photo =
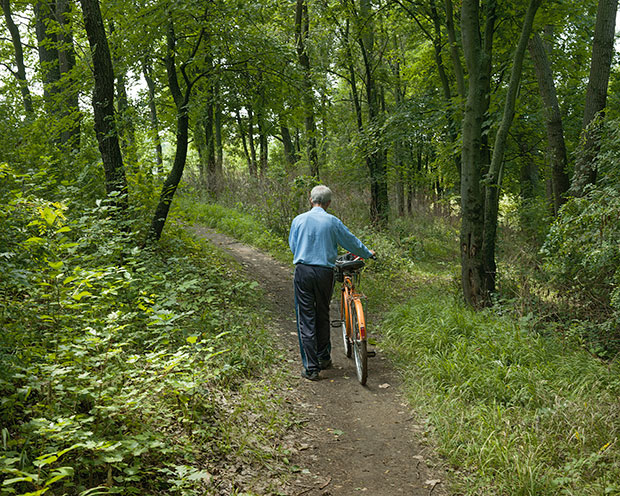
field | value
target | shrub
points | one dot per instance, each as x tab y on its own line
582	249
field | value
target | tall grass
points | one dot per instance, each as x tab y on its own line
515	412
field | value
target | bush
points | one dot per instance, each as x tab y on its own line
112	358
582	249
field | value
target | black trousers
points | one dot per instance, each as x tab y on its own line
313	292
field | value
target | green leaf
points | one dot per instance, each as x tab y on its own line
55	265
81	295
63	229
192	339
49	215
34	240
199	476
58	474
23	478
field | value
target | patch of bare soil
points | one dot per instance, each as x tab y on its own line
356	439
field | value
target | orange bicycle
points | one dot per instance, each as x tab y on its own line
352	320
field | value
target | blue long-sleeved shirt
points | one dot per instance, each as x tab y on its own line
315	236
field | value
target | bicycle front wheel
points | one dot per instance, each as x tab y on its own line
360	351
344	319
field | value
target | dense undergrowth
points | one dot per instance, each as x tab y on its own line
126	370
514	408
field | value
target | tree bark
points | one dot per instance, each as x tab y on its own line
125	120
244	140
103	102
596	93
302	28
454	50
379	203
20	74
445	83
287	143
219	149
556	146
209	136
47	42
181	100
472	202
494	178
70	133
253	163
262	142
147	71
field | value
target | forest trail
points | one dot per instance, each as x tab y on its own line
355	439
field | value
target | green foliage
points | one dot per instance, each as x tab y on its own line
515	412
582	251
123	371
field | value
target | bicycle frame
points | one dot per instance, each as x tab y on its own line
351	300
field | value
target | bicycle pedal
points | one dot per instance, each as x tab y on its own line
371	353
336	323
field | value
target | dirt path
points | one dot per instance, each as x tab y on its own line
356	439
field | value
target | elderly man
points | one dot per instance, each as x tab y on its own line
314	240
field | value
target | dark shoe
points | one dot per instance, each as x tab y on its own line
325	364
311	376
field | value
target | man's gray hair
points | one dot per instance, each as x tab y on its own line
321	195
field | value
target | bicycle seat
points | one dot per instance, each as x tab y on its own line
346	263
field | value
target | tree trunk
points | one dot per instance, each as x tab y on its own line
445	84
181	101
379	203
397	149
147	71
20	74
556	146
47	41
596	94
454	50
494	178
103	102
472	202
244	141
209	136
287	143
302	27
219	149
262	142
125	120
70	133
253	164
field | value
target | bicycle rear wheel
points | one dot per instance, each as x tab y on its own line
360	350
343	319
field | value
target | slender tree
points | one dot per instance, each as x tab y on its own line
47	44
556	145
103	102
70	109
181	97
302	28
147	72
596	95
494	177
20	73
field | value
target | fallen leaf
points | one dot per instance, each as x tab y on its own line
432	482
384	386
